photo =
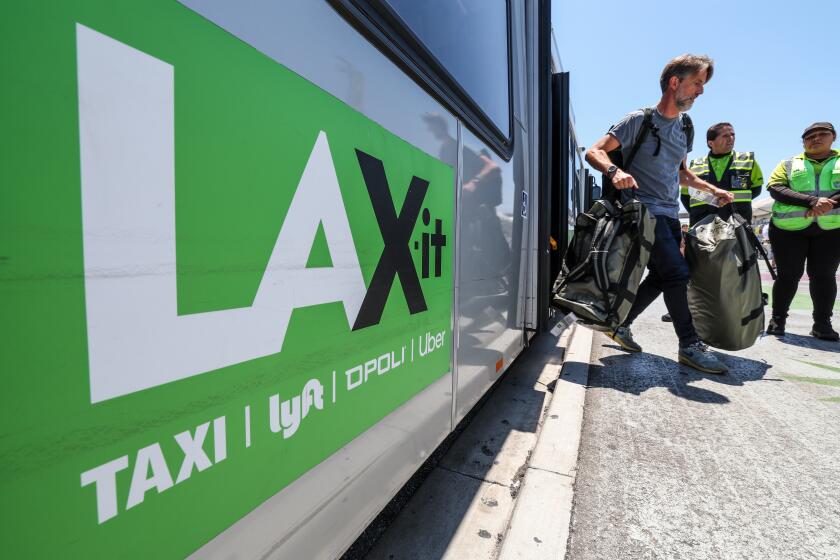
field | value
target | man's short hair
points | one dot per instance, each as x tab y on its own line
715	130
685	65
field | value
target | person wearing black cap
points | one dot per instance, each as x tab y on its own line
805	228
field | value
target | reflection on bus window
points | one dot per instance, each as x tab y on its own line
485	245
469	38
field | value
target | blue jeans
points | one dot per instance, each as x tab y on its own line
667	275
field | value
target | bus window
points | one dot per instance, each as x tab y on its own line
459	52
469	38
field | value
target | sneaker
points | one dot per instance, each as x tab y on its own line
776	327
667	318
823	331
624	337
699	357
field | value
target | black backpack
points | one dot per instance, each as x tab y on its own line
609	192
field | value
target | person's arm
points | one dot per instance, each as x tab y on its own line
817	206
786	195
597	157
780	190
486	169
689	179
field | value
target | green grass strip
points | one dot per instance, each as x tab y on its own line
832	399
801	301
822	366
815	380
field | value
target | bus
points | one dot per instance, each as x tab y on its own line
258	259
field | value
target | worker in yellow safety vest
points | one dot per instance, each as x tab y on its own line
737	172
805	228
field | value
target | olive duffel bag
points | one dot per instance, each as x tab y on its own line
724	293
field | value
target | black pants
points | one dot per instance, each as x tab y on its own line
668	275
792	249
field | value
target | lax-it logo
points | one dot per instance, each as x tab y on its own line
434	241
396	260
136	338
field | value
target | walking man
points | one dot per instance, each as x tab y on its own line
723	167
654	178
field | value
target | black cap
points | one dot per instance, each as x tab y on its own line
820	126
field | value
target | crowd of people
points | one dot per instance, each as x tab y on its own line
804	230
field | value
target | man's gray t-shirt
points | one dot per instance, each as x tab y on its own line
657	176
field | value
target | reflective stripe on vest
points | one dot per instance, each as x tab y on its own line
803	179
699	167
741	196
741	161
802	214
821	192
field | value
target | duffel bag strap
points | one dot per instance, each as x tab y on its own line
748	264
599	256
620	289
622	293
573	274
581	268
760	248
561	281
754	314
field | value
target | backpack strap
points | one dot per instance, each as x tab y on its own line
647	126
609	192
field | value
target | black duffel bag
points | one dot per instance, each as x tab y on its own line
605	262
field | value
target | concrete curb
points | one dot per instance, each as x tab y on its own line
539	526
510	471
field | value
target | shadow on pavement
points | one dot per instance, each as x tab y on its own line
809	342
636	373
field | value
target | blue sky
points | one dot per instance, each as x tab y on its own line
775	65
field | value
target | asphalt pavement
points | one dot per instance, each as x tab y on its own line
678	464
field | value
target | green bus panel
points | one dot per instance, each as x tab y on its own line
213	275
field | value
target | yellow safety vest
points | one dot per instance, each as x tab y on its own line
741	171
803	179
